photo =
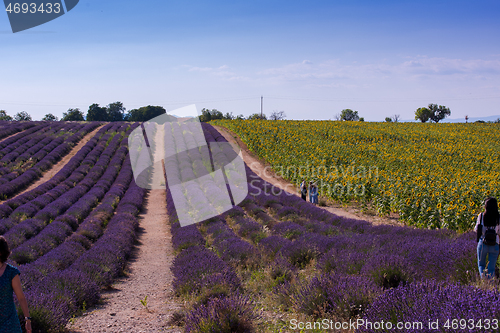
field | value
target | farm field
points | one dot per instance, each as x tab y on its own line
269	262
71	235
432	175
298	262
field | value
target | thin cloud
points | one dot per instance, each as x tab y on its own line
200	69
447	66
337	72
222	72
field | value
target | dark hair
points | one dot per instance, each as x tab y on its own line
490	215
4	250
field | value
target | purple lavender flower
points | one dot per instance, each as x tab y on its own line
224	315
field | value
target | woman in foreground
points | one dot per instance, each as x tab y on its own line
10	283
488	230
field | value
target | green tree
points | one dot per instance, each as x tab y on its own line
388	119
5	116
22	116
423	114
257	116
73	115
438	112
97	113
207	115
229	116
349	115
49	117
145	113
115	111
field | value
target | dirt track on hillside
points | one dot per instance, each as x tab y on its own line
10	136
148	274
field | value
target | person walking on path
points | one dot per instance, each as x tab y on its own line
488	229
303	190
313	193
11	283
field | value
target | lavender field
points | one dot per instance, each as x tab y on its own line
276	256
71	235
270	261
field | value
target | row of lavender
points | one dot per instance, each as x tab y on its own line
8	128
32	143
25	156
209	281
28	204
359	271
28	219
74	233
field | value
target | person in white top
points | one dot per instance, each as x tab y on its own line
488	231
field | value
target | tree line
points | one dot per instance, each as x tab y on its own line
214	114
117	112
112	112
432	112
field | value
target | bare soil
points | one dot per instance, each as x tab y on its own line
264	170
147	274
10	136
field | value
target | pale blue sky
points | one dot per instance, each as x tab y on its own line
310	59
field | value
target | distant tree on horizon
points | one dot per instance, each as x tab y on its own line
214	114
97	113
145	113
229	116
207	115
349	115
388	119
22	116
277	115
255	116
115	111
434	112
49	117
73	115
423	114
4	116
438	112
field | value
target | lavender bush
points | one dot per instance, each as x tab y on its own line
234	314
430	301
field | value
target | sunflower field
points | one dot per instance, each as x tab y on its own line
432	175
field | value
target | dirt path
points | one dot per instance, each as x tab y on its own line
10	136
59	165
265	171
148	274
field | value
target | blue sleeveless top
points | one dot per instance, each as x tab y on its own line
9	322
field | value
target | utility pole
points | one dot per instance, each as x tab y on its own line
261	106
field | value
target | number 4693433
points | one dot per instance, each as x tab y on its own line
32	8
